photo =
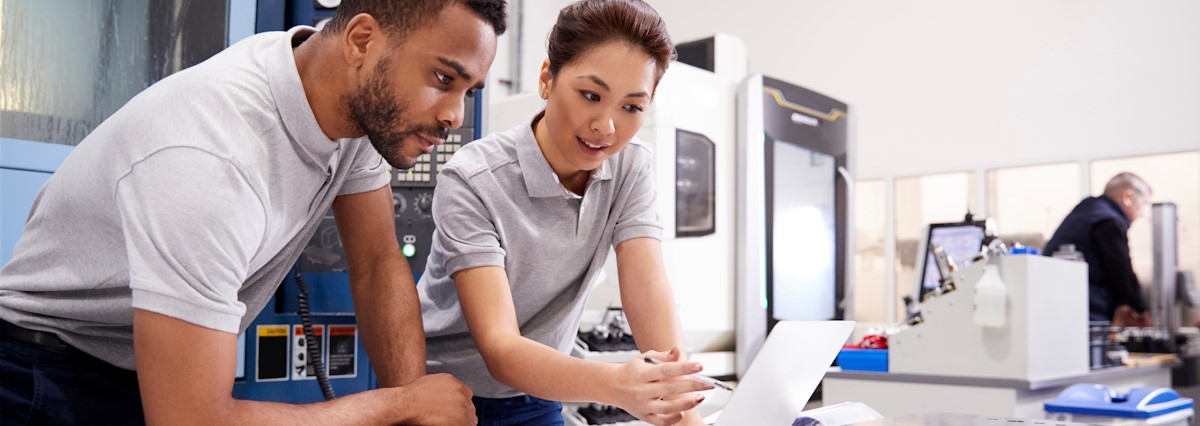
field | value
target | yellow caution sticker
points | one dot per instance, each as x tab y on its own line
272	331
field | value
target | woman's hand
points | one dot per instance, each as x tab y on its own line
658	394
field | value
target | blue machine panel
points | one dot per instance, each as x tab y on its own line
299	390
24	169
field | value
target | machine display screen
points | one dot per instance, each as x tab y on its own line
803	239
960	241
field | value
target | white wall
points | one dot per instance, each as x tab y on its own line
535	17
944	85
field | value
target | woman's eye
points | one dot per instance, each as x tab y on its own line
634	108
591	96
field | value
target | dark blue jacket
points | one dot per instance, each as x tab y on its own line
1098	228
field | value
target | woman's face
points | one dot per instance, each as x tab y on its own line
595	105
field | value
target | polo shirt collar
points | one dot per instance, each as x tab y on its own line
540	179
291	102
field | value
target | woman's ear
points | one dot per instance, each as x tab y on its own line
545	79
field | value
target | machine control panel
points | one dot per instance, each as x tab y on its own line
412	192
412	203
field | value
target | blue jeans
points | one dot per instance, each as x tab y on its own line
521	410
39	387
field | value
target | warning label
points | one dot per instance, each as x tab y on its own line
271	354
302	368
343	351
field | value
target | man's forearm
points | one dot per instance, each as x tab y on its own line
374	407
185	375
389	316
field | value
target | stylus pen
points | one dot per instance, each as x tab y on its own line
702	379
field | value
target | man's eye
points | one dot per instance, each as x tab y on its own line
442	77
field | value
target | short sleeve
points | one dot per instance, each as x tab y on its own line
638	217
466	230
368	171
191	223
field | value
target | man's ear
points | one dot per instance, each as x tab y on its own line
1127	197
361	34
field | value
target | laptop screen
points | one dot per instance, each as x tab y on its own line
785	372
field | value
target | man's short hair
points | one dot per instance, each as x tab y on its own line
400	17
1125	181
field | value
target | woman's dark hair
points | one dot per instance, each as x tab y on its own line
587	24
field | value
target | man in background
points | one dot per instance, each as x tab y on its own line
1098	228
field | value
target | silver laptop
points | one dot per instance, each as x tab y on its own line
785	373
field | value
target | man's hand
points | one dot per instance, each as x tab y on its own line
1126	316
437	399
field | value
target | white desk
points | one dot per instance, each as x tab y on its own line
895	395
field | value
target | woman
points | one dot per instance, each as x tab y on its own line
525	219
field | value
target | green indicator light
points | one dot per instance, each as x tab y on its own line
409	250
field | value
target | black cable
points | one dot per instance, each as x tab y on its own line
310	340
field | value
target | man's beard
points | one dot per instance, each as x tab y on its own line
381	116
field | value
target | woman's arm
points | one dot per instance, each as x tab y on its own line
648	301
646	296
650	392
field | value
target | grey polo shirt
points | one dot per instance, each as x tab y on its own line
498	203
192	201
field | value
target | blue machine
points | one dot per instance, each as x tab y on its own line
1100	401
24	168
84	64
271	359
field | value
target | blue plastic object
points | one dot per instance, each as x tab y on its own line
1099	400
1025	250
863	360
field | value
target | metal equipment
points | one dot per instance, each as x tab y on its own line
794	205
1038	332
1173	290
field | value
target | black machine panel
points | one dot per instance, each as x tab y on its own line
695	184
802	124
412	201
412	193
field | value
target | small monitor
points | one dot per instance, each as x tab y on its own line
961	241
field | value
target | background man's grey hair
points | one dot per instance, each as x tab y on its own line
1123	181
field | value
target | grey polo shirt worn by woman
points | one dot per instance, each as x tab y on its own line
498	203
